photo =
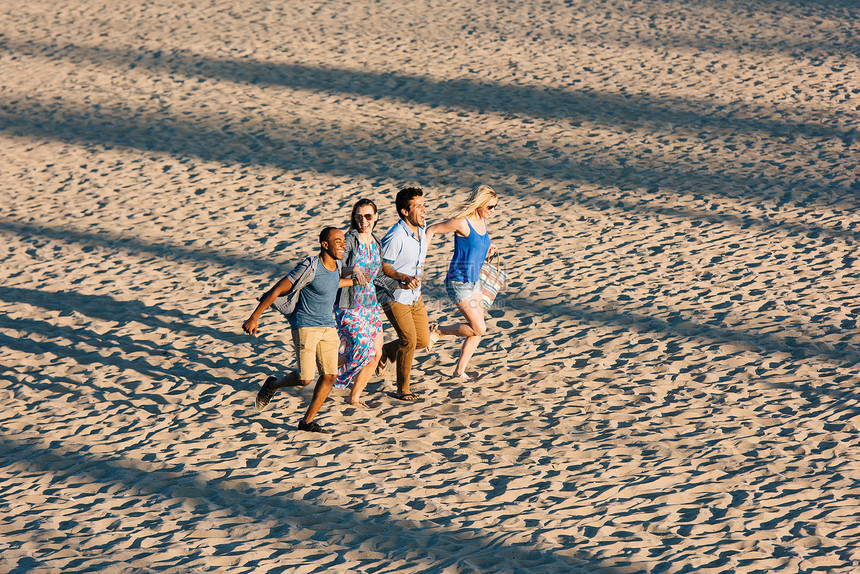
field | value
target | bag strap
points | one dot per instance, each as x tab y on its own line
307	275
498	256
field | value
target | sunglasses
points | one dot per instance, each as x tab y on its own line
367	216
492	206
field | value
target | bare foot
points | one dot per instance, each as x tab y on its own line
359	404
435	333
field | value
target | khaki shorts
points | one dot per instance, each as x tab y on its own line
316	348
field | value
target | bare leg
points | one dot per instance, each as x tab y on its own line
321	391
291	380
363	376
458	330
473	311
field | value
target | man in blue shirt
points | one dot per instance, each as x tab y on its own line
314	334
404	248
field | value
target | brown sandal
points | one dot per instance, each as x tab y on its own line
380	366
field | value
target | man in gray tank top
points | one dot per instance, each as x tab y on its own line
313	332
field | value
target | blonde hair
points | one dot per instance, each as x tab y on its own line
479	197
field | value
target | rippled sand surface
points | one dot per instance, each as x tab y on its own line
670	379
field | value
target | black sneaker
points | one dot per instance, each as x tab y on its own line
311	427
264	395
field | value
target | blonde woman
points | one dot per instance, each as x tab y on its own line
472	245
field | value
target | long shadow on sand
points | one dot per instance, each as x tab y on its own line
132	244
350	152
439	546
721	28
474	95
107	308
719	42
693	331
769	343
88	348
672	326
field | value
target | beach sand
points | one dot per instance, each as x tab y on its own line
670	378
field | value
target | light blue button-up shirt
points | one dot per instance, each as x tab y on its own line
405	253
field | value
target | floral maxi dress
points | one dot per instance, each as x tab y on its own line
361	324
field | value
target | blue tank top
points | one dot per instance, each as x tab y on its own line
469	255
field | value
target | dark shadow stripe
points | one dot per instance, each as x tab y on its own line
108	308
138	247
116	348
558	310
597	106
692	330
358	153
440	547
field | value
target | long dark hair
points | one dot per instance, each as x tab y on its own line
353	223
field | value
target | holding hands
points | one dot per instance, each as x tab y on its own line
410	282
361	276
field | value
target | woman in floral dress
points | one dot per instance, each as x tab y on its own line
356	309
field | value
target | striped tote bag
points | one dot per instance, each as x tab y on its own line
493	278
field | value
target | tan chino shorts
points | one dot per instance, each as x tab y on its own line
316	348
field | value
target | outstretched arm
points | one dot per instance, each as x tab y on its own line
458	224
281	287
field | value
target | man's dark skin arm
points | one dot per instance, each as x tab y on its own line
281	287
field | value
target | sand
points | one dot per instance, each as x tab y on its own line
669	382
